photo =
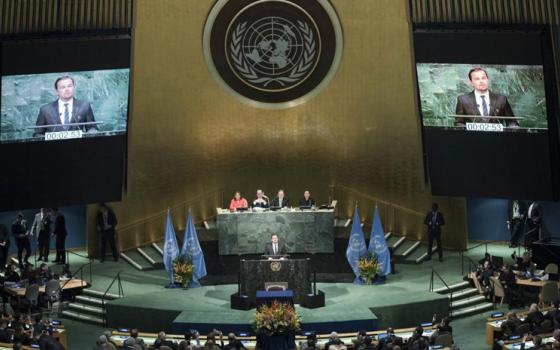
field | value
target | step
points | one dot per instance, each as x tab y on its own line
82	317
392	239
411	249
158	246
464	293
422	254
152	255
98	294
456	286
403	246
387	235
471	310
467	301
136	260
83	308
89	300
398	242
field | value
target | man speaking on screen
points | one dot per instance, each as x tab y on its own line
65	111
482	104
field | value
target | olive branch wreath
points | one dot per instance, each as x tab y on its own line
247	71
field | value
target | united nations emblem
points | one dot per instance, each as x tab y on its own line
276	266
273	53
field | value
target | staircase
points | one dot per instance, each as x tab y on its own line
89	307
465	300
149	257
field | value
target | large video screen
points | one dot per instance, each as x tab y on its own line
56	106
478	97
64	110
488	107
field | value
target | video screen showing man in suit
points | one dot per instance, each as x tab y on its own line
55	106
67	112
505	98
481	105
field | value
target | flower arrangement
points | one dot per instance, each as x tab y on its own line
277	318
183	270
369	267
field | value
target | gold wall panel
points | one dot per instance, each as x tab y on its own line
188	137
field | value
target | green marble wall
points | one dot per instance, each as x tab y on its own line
301	232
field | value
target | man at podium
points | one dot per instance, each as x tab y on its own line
275	247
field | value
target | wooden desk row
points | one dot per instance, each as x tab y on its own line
71	285
251	342
493	325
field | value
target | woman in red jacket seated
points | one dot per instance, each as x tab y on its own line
238	202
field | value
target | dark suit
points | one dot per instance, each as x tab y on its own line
434	221
107	232
4	238
47	342
516	224
60	232
306	202
50	115
268	249
498	107
276	202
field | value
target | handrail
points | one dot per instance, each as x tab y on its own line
431	288
121	294
81	271
162	213
381	201
483	243
471	263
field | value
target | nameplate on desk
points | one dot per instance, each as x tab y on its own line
63	135
494	127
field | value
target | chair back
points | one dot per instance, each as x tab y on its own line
498	287
551	268
8	310
32	293
546	326
165	347
444	339
52	288
523	329
550	292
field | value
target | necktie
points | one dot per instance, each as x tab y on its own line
484	108
275	249
66	116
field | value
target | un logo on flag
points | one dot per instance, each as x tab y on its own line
356	243
193	248
170	248
379	245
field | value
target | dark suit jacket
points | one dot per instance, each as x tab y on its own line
306	203
49	115
281	249
276	202
111	220
434	227
59	225
47	342
499	107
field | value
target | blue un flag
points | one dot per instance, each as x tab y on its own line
170	247
378	246
356	246
192	251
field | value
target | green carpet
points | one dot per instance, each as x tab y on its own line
469	333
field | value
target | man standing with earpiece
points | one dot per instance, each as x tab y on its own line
434	220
